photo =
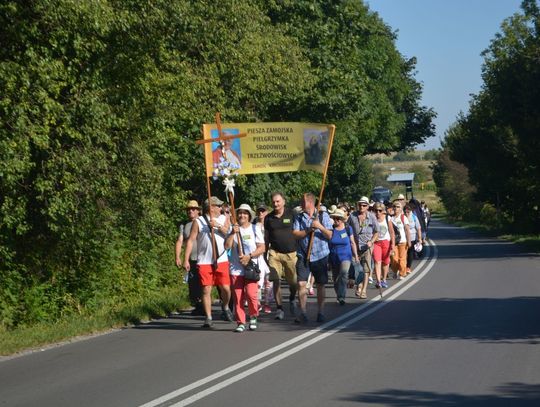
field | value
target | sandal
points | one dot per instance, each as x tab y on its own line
363	296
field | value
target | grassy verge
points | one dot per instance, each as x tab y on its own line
39	335
531	242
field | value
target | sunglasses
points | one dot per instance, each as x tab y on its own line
364	205
379	210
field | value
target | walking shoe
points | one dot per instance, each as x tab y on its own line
267	309
208	323
384	284
292	307
341	301
227	315
252	323
311	291
400	277
370	280
377	285
301	319
240	328
320	317
280	314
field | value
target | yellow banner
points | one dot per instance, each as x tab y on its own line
268	147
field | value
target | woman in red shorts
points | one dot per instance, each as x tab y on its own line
383	246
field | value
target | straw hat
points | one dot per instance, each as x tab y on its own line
338	213
193	204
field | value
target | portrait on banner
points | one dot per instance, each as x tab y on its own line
226	150
315	146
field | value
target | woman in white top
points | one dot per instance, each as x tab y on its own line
251	246
403	241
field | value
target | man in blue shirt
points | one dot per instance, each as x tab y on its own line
311	225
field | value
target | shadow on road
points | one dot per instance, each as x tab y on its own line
510	394
513	320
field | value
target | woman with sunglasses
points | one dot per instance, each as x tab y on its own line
403	241
383	246
342	252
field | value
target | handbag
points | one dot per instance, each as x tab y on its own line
252	271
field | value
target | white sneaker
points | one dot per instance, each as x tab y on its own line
280	314
252	323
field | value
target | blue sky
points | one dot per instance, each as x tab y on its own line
446	37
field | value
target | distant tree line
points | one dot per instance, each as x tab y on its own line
102	101
489	168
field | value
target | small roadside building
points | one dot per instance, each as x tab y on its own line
405	178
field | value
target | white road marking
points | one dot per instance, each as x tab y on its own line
212	389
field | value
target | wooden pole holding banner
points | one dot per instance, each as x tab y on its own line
332	129
220	137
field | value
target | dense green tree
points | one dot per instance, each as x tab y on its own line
498	139
101	104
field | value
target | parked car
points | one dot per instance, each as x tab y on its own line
381	194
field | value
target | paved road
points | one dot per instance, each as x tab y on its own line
464	329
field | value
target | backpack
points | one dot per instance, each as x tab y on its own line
397	235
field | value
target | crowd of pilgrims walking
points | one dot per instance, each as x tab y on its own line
359	247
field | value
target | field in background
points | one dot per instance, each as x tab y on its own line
424	188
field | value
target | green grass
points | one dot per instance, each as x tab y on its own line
41	334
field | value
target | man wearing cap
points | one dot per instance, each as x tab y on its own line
194	283
211	256
281	248
320	224
366	232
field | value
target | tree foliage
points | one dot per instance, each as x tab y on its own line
498	139
102	101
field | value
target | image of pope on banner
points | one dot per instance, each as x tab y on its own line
226	150
315	146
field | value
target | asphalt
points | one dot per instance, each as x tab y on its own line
463	329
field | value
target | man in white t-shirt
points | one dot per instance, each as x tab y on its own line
211	256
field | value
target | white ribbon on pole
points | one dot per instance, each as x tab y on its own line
229	185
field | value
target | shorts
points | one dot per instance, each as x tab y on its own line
214	276
282	265
365	259
381	252
318	268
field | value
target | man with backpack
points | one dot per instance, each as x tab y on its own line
211	256
313	230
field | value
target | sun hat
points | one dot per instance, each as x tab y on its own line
338	213
214	200
247	208
364	199
193	204
332	209
400	197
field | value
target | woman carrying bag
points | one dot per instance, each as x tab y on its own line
242	256
342	252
